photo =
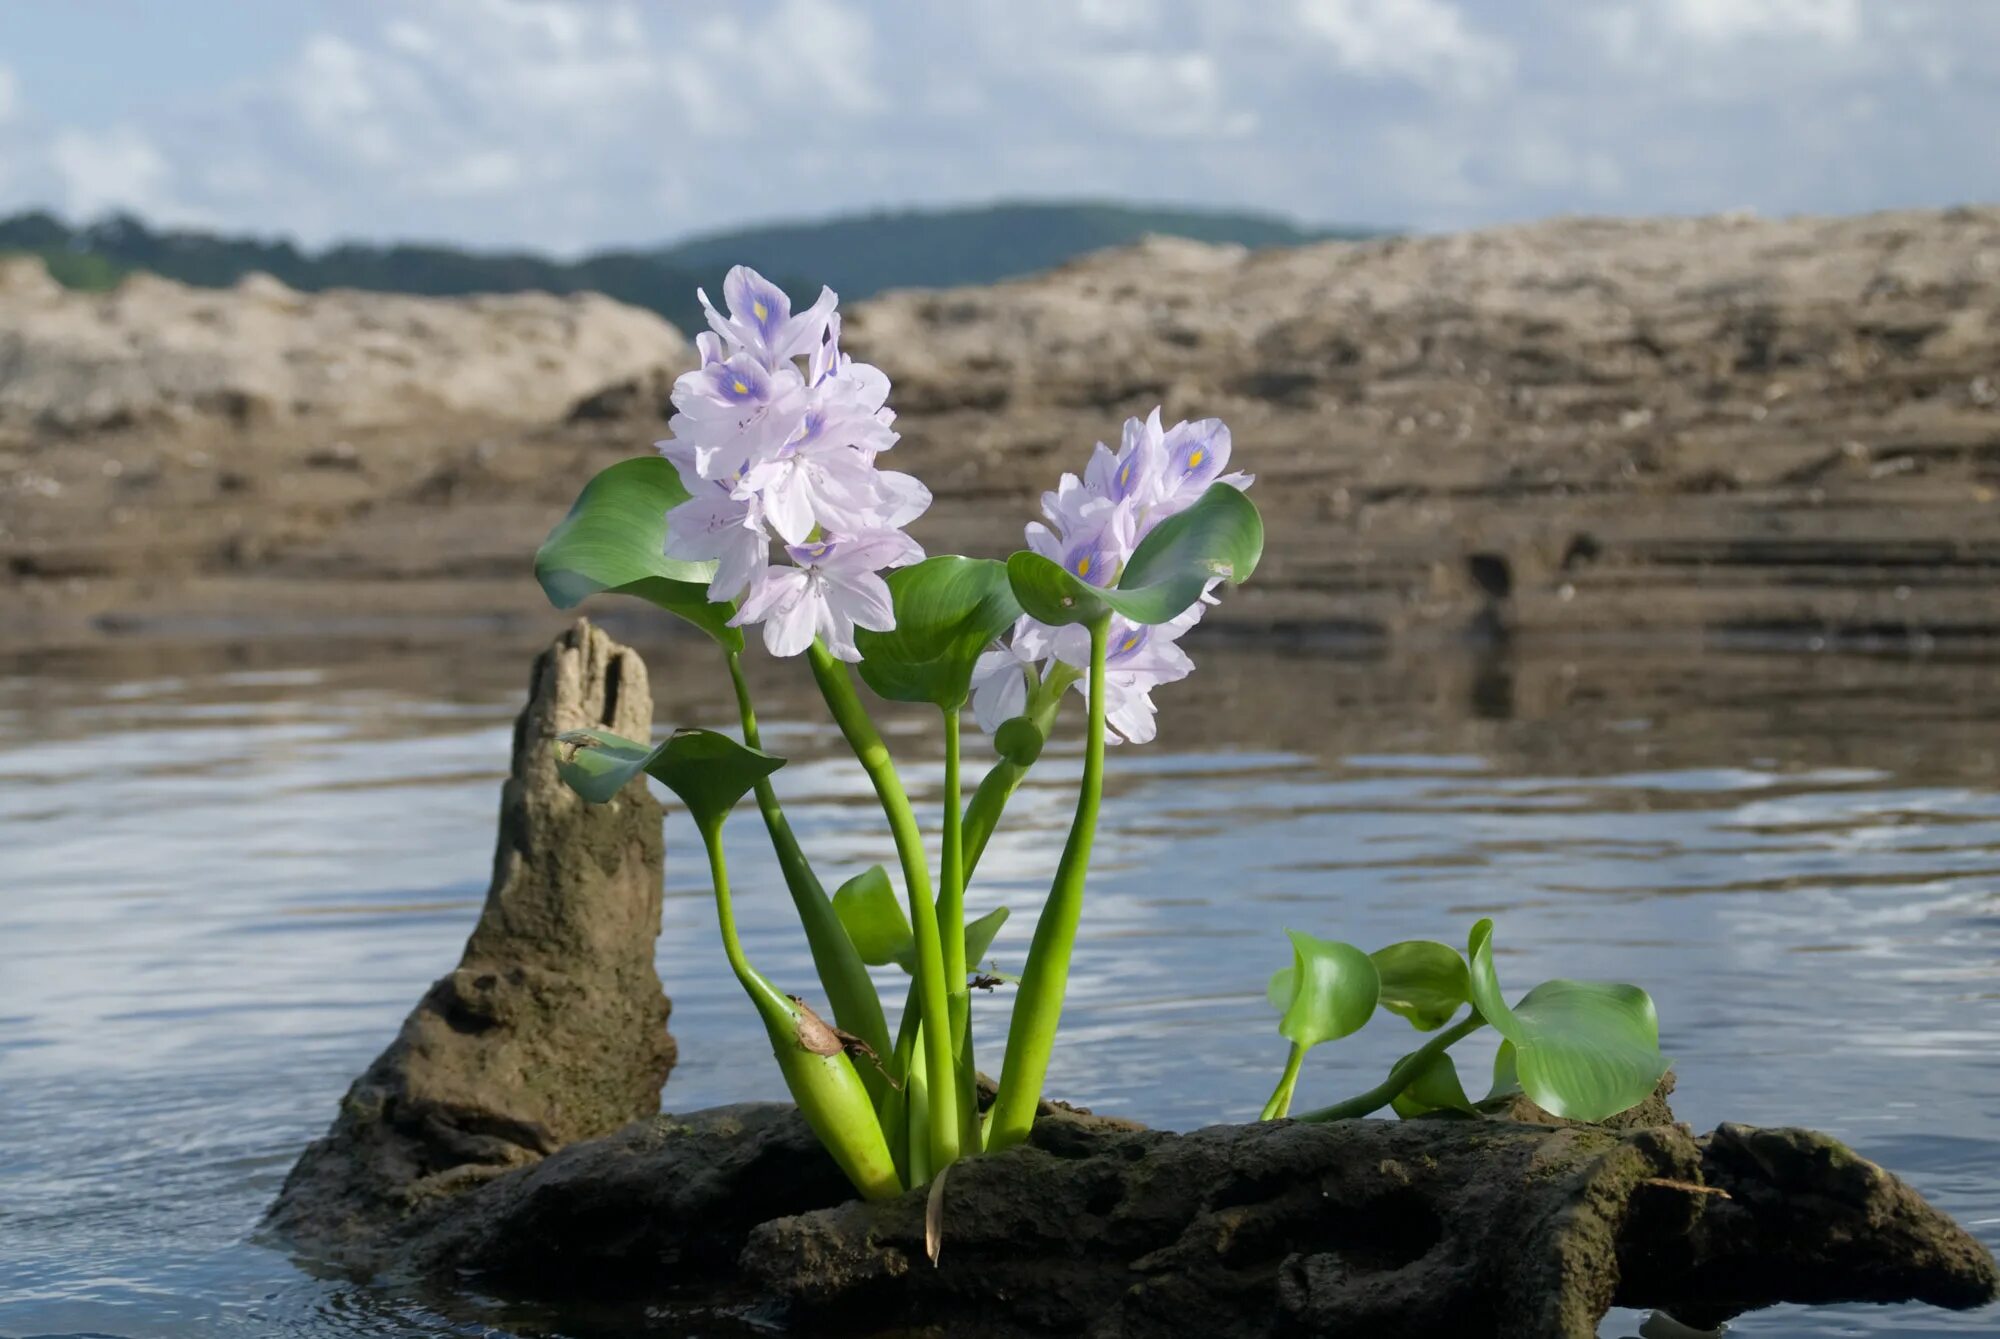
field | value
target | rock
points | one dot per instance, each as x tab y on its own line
553	1027
156	352
1419	1228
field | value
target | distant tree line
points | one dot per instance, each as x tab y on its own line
858	256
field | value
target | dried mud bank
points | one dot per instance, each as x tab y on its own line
1686	427
508	1141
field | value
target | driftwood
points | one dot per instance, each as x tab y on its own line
507	1141
553	1028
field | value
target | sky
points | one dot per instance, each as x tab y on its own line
567	125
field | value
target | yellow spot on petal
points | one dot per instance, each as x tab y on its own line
741	388
1194	461
1129	642
1083	566
761	310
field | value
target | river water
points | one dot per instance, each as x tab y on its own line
227	869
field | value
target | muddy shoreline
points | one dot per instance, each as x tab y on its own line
1698	429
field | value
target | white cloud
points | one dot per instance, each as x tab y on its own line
1836	21
567	124
116	168
1426	42
1173	95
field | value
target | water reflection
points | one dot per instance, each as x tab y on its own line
228	870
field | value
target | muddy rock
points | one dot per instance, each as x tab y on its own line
553	1027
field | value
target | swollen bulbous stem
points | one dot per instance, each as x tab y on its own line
990	798
849	991
1039	999
827	1088
933	996
1401	1075
1281	1099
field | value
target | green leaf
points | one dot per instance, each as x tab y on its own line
1221	535
1505	1081
867	905
1583	1050
612	541
979	934
948	610
1422	980
708	771
1436	1088
875	921
1333	990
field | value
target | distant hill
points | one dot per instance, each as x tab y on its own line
863	254
859	255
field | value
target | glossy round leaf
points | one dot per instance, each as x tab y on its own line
710	772
1220	537
1332	993
1423	981
1584	1050
948	611
612	542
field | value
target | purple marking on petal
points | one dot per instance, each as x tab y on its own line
740	381
1089	561
1127	642
1199	453
808	555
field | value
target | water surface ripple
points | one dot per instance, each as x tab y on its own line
227	872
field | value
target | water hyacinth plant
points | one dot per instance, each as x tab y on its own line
769	509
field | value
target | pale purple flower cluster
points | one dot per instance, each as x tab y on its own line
767	449
1094	525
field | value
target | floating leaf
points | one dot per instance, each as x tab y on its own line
1584	1050
612	542
867	905
1423	981
1436	1088
948	610
710	772
1220	536
1332	990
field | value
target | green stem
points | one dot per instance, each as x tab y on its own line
849	991
1038	1001
1001	781
951	929
1401	1076
827	1088
837	687
1281	1099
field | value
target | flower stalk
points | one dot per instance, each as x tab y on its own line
1038	1002
933	995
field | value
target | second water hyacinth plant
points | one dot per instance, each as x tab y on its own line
770	511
